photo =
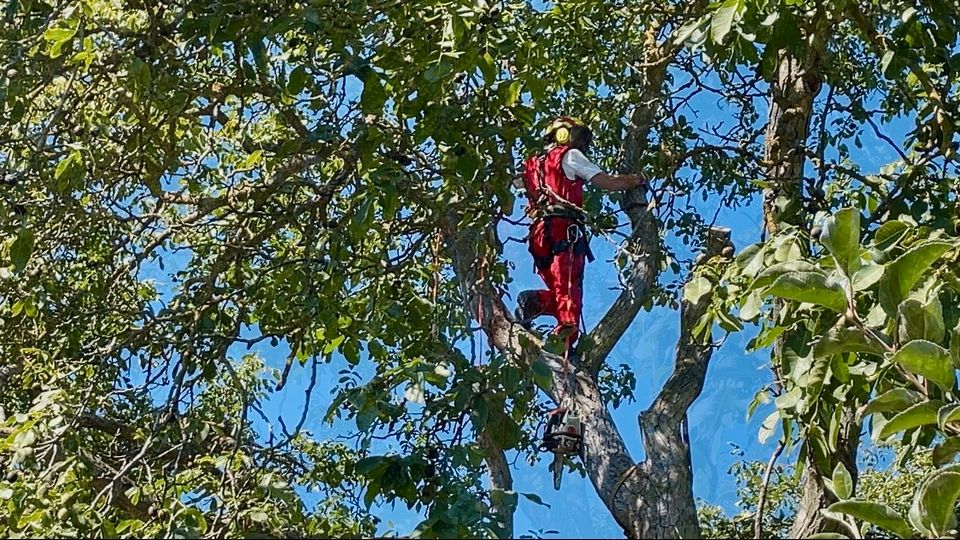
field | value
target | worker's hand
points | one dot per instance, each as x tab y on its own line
619	182
635	180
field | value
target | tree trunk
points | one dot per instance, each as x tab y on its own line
796	84
500	481
793	90
651	499
808	520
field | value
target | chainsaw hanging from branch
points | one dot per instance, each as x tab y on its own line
563	436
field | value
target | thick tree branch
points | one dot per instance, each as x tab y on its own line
644	498
500	480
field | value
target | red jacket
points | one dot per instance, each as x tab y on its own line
544	179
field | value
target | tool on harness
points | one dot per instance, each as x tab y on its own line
563	436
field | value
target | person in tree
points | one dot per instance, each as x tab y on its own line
554	181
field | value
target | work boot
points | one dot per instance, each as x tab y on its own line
528	308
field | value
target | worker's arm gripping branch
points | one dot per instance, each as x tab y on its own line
641	275
617	182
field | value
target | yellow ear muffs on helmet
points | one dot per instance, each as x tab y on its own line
560	128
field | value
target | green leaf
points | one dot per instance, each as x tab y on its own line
502	429
368	464
889	233
696	288
771	273
728	322
948	413
765	338
934	510
750	307
829	536
844	340
366	417
885	62
868	275
928	360
59	36
438	71
297	81
252	160
955	346
534	498
687	30
139	73
878	514
894	400
768	427
488	68
374	96
809	287
542	374
259	516
22	249
68	164
920	320
903	273
921	414
946	451
722	20
842	482
513	93
841	235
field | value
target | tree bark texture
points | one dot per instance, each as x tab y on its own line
796	85
500	479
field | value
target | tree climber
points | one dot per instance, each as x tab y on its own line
554	183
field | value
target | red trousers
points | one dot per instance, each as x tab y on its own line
563	274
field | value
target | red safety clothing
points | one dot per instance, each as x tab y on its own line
557	238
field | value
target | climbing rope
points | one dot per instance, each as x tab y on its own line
616	489
478	286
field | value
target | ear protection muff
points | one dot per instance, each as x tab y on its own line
560	128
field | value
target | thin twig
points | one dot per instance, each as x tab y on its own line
762	498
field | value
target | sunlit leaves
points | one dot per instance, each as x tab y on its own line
903	273
722	19
842	482
841	235
879	514
896	400
60	36
810	287
928	360
921	414
934	510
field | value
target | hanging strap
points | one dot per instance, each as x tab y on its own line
616	488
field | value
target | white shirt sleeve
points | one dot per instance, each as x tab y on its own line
576	165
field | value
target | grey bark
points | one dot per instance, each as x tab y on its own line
796	85
500	480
